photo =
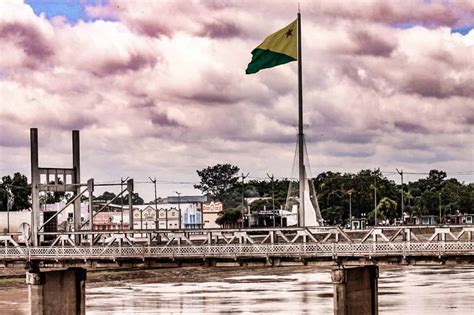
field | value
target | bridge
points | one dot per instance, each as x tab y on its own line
40	246
274	246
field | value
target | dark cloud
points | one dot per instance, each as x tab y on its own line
153	28
29	39
438	86
133	63
392	12
371	44
355	137
212	97
220	30
410	127
163	120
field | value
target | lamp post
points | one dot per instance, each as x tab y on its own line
179	209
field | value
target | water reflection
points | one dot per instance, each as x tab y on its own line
407	290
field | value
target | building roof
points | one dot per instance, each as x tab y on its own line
185	199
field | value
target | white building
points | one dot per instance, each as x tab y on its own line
210	212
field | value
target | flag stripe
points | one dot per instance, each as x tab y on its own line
262	59
283	41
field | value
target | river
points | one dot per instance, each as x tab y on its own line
301	290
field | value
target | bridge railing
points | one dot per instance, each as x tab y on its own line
240	251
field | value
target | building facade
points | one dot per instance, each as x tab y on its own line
210	212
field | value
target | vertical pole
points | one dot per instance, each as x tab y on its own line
121	204
90	189
157	225
76	165
166	217
35	207
439	205
403	204
130	202
273	200
9	204
375	199
179	209
273	197
350	209
243	209
300	130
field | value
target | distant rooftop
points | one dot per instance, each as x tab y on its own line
185	199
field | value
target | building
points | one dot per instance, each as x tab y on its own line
460	218
358	223
210	212
144	217
422	220
168	216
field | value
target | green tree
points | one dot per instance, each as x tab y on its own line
217	180
229	217
106	196
387	208
19	188
56	196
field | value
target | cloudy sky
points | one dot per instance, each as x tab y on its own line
158	88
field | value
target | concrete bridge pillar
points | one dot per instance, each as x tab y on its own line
57	292
355	290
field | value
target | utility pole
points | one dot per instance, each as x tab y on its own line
375	199
439	205
403	206
350	208
122	181
179	209
10	200
273	197
157	223
243	209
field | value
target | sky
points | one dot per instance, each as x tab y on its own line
158	88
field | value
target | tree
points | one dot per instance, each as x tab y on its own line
387	208
19	188
229	217
106	196
217	180
136	199
56	196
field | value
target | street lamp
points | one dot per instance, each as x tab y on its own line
179	209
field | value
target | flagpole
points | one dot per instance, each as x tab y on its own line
301	168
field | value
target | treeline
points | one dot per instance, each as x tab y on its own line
335	193
338	192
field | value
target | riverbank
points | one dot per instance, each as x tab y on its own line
15	277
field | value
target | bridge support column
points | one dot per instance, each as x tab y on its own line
355	290
57	292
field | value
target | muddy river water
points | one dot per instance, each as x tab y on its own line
407	290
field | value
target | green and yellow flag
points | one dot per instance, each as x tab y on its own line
277	49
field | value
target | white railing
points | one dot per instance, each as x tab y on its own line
241	250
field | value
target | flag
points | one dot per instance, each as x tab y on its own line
277	49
